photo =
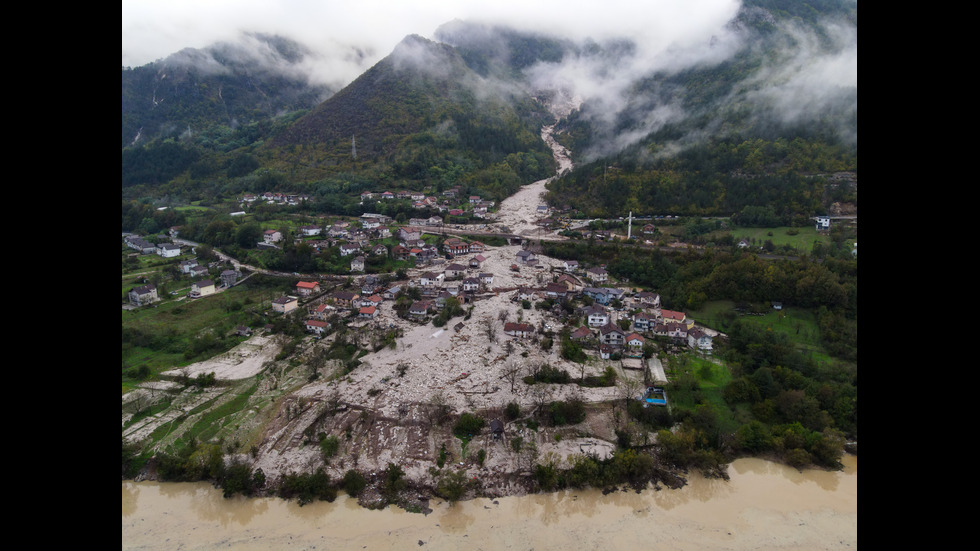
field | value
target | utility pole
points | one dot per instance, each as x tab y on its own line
353	148
629	231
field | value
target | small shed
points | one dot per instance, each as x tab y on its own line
496	429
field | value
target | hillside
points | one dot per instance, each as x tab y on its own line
755	125
417	113
225	85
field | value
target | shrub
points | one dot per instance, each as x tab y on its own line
441	460
307	487
548	374
567	413
468	425
353	483
453	485
239	478
394	481
329	447
512	410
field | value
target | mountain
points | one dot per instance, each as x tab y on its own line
225	85
421	86
761	114
420	117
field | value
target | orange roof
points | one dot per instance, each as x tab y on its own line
307	284
670	314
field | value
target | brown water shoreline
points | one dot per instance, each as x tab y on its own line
764	505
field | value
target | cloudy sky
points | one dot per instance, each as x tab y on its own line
154	29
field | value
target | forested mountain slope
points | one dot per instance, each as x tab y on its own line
225	85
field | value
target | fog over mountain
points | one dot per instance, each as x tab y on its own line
613	59
371	28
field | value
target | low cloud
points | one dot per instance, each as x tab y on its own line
619	42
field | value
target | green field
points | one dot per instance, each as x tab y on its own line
801	239
173	333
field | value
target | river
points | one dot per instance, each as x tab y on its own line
763	506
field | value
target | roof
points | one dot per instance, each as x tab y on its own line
610	328
670	314
307	284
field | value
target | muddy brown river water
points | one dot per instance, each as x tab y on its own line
763	506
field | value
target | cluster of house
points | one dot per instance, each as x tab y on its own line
141	295
453	280
604	328
462	281
357	241
141	245
276	198
601	325
449	204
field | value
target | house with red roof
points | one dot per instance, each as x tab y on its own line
307	288
317	326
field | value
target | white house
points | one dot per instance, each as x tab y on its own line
597	275
316	326
431	279
635	342
271	236
143	294
168	250
697	338
612	335
597	315
518	329
471	284
349	248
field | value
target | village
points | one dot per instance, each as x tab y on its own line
477	326
517	312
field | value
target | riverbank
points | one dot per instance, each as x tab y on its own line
764	505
